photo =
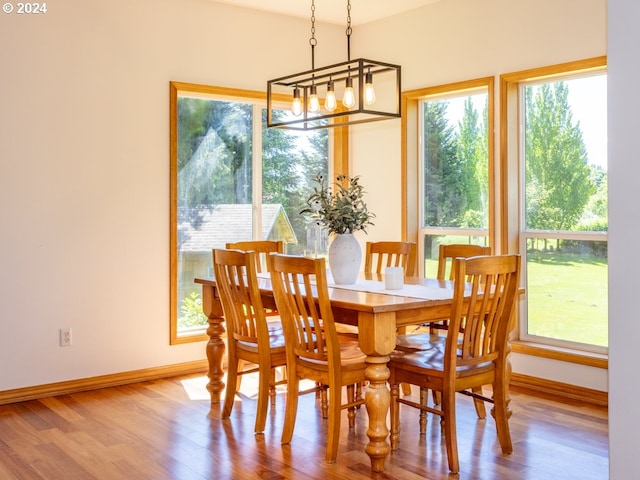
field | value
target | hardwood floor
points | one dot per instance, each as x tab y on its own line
165	429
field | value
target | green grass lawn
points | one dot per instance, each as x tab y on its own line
567	296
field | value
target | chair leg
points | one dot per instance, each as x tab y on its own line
324	403
231	388
424	397
394	434
281	374
239	368
265	373
291	408
501	414
450	435
351	411
481	410
406	387
272	387
335	409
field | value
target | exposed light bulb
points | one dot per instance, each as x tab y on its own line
349	99
369	91
296	106
314	103
330	100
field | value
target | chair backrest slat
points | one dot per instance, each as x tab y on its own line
483	304
448	253
261	247
302	297
237	283
390	254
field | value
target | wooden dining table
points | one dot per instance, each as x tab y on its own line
376	312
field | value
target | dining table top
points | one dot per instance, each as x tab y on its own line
369	295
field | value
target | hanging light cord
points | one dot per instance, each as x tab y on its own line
312	41
349	30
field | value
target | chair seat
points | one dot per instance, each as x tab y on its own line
350	355
431	362
419	341
276	341
346	330
274	325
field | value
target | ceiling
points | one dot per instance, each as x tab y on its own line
333	11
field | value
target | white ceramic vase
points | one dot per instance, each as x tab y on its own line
345	256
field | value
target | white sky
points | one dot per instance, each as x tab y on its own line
588	100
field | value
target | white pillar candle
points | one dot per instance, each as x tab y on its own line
393	278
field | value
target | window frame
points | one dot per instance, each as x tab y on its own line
412	222
504	180
338	159
514	234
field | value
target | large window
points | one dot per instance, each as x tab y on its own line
557	145
453	160
549	202
232	179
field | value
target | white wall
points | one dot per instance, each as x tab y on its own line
624	230
84	184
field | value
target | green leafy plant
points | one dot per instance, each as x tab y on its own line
341	210
191	311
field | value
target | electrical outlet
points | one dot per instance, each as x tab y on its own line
65	337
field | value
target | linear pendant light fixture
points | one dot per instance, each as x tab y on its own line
336	95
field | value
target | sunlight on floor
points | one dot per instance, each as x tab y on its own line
196	387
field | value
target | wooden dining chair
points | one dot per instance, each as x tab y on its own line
446	260
447	255
261	247
479	357
314	351
249	335
379	255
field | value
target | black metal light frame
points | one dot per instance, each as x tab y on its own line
280	91
337	73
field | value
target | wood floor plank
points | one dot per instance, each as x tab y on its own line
167	429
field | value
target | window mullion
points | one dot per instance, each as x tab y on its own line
256	159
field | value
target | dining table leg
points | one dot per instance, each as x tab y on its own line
215	349
377	339
377	400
